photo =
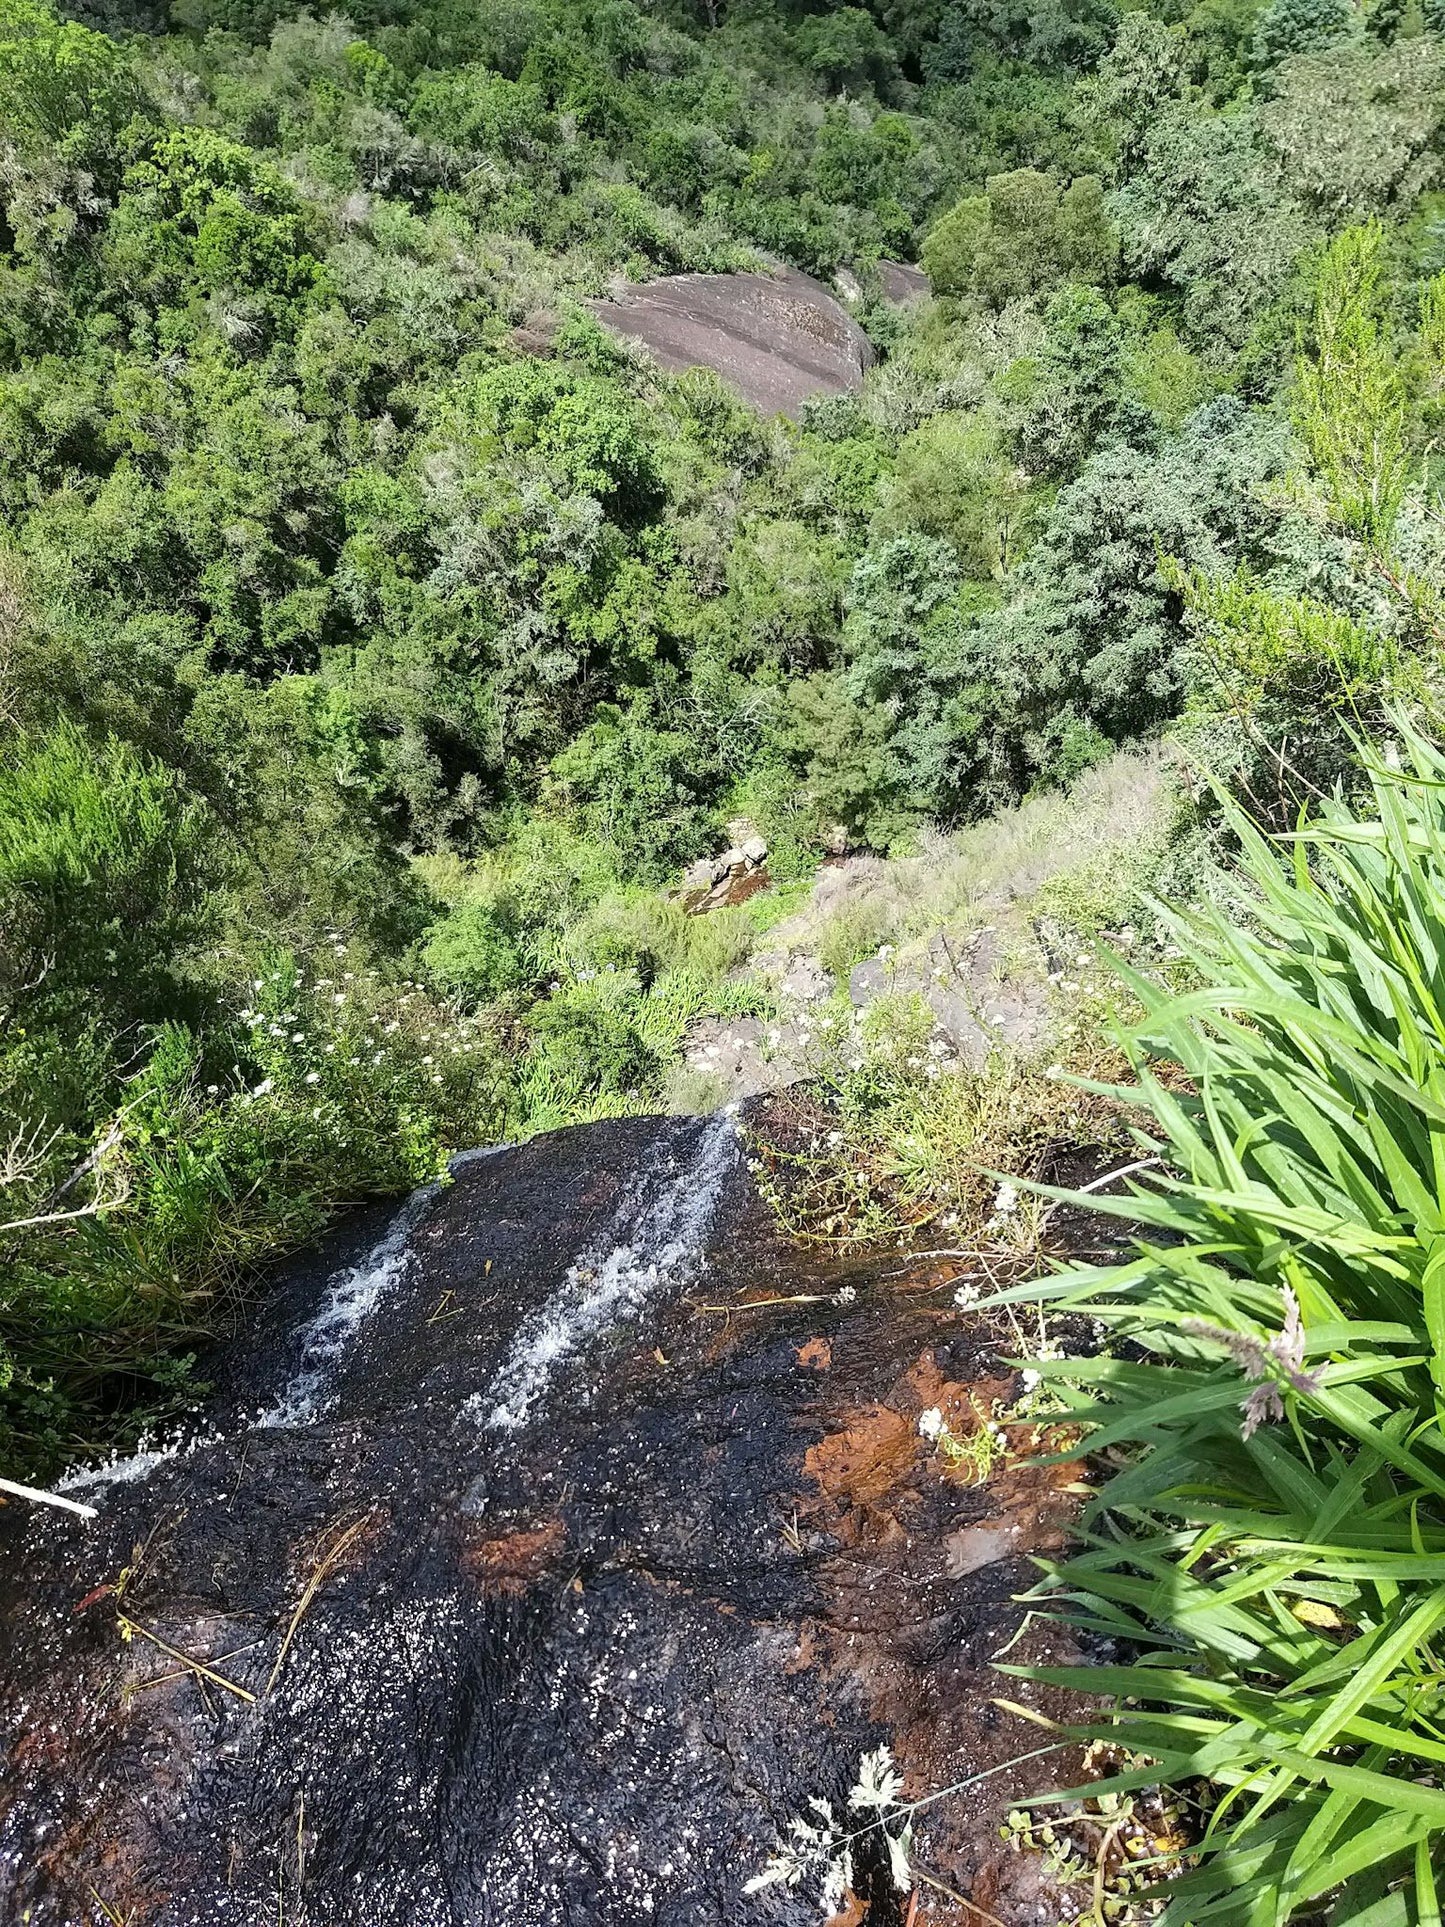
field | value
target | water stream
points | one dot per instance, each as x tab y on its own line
537	1593
654	1241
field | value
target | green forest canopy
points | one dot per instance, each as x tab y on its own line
374	627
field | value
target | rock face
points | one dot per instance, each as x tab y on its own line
976	1005
902	283
721	882
544	1549
778	339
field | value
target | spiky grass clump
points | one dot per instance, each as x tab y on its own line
1269	1561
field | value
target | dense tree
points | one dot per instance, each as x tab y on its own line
1069	395
1358	127
1021	235
1286	27
1092	638
1210	212
1142	72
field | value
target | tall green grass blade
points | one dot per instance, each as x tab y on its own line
1284	1595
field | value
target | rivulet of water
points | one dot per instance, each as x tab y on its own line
655	1239
352	1295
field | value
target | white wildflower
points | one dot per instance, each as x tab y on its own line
879	1783
900	1847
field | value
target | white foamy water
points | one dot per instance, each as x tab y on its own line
352	1295
653	1241
94	1480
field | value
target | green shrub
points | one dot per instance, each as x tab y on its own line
588	1040
227	1152
1286	27
905	1135
791	828
853	933
105	860
1268	1563
640	791
651	935
477	950
1020	236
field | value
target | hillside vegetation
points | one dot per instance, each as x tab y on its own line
378	636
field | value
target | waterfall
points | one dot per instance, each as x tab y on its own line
654	1239
352	1295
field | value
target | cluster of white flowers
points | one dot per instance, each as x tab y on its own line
284	1028
821	1848
1005	1204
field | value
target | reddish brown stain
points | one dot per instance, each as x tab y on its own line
852	1913
916	1537
862	1463
517	1560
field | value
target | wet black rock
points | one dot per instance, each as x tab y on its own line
505	1579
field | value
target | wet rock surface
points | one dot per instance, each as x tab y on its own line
724	881
778	339
543	1549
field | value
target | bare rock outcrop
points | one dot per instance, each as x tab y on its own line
778	339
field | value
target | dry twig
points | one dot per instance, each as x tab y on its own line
198	1667
314	1584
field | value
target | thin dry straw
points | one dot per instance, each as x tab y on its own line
314	1585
